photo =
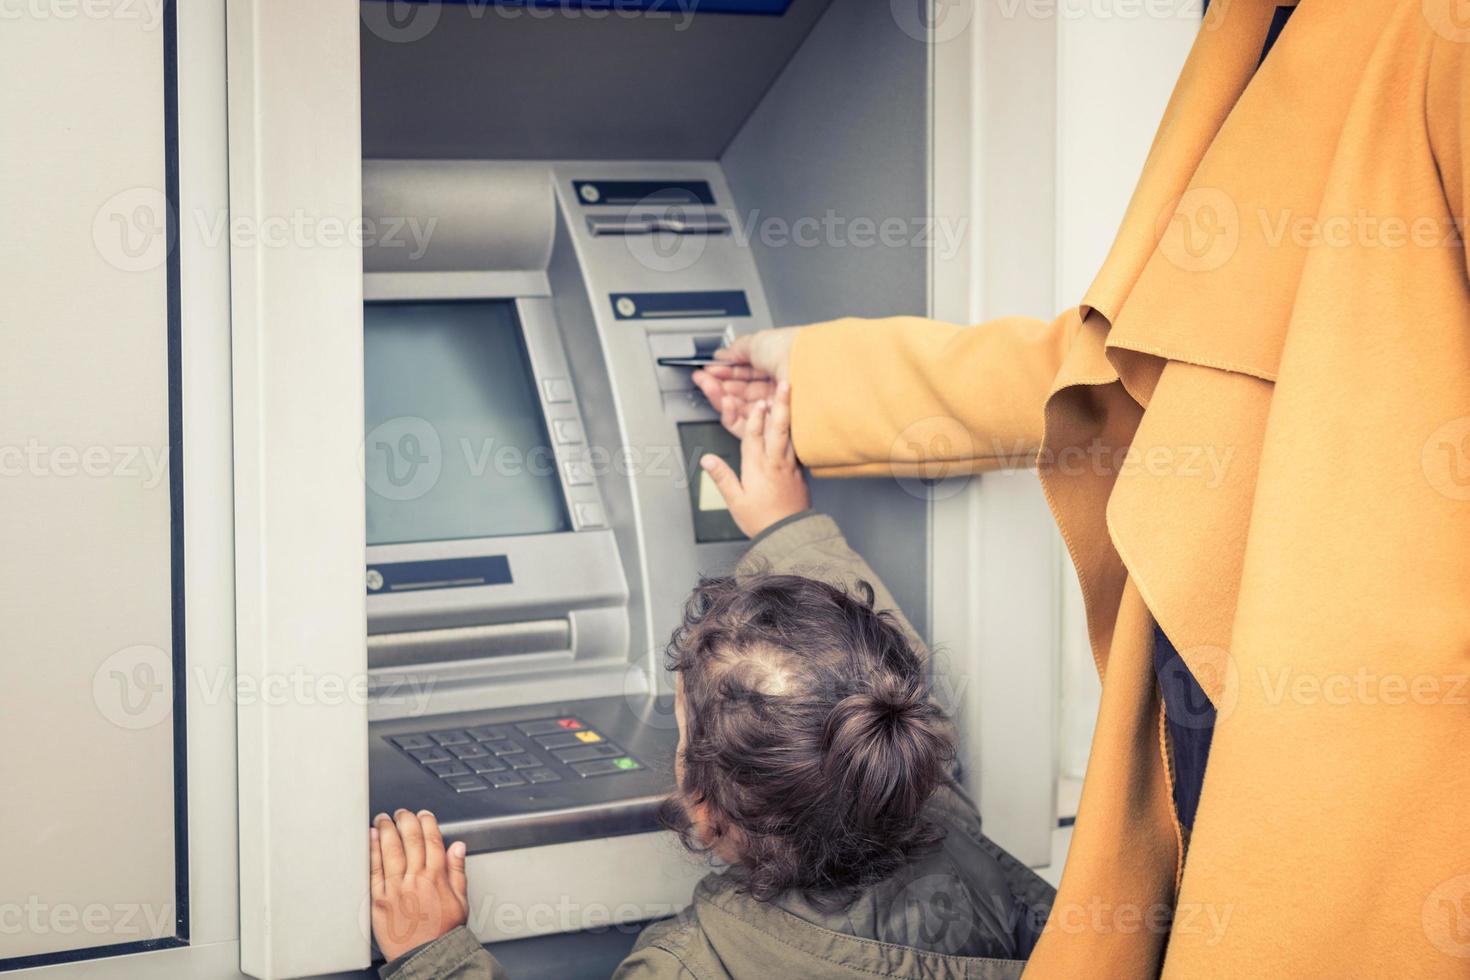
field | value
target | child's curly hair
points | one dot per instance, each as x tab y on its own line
810	735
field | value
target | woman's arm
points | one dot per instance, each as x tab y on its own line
902	396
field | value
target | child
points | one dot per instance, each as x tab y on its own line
811	761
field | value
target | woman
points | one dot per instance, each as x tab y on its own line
1288	298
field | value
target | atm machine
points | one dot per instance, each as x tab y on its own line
546	262
536	513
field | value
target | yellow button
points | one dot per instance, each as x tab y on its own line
589	736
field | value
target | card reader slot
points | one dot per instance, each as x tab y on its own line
467	643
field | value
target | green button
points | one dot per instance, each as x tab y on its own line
626	763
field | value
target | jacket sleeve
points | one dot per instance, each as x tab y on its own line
456	955
1447	115
917	398
811	545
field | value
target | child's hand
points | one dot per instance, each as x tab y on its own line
770	486
419	889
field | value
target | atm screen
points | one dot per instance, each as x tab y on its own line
456	442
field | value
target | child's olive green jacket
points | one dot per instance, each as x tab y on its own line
964	909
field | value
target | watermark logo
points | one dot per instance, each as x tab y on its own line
399	21
929	453
666	247
147	13
402	458
130	230
1450	19
933	21
1218	676
1201	231
1446	459
1446	917
133	688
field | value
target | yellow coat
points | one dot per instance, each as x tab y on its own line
1255	428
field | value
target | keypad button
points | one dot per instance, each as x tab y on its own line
473	750
541	776
435	754
523	761
413	741
466	784
502	779
450	738
487	764
449	768
487	733
549	726
505	748
605	767
582	753
565	739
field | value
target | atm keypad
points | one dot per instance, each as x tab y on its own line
544	750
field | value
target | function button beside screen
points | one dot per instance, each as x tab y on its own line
541	776
547	726
450	738
556	390
578	472
584	752
605	767
502	779
522	761
413	741
567	430
487	733
591	515
466	784
451	768
488	764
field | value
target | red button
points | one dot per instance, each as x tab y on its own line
569	723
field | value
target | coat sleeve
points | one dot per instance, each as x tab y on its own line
1447	115
917	398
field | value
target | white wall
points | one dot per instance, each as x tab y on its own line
86	638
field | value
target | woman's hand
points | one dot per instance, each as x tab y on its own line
770	486
419	889
755	365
